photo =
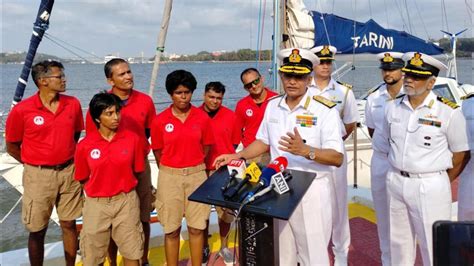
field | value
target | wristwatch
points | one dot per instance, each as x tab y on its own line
312	154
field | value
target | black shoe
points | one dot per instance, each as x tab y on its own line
205	255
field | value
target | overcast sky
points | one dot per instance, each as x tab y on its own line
130	27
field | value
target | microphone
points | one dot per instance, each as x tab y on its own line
236	169
252	172
279	164
277	181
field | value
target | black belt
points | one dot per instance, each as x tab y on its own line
57	167
420	175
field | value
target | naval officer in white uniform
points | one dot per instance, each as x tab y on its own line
428	149
466	182
307	131
341	94
391	65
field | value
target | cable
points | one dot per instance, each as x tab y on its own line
422	21
65	48
82	50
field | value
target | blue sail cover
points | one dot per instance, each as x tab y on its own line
369	37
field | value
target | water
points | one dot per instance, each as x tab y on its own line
85	80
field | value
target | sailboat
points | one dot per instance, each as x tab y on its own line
294	26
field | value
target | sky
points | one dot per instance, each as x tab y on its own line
130	27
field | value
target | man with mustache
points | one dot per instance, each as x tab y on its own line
428	148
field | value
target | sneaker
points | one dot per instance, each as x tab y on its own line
205	255
227	256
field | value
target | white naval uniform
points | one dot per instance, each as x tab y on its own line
374	115
421	145
304	238
466	182
347	109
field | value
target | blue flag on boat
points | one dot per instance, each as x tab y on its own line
368	37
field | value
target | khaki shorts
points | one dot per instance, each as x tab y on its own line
117	217
45	188
144	191
175	185
224	214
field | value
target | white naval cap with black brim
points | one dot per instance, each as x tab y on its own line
325	53
297	61
391	60
422	65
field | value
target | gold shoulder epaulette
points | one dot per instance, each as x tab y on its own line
324	101
349	86
470	95
447	102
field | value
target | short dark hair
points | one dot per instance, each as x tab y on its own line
43	68
248	70
180	77
216	86
102	101
110	64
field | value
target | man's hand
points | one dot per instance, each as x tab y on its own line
294	143
224	159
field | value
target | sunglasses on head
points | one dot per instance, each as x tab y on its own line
252	83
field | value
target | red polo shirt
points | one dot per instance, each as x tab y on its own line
249	116
181	144
47	138
109	167
222	125
136	115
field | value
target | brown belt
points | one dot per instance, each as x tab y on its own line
57	167
110	199
182	171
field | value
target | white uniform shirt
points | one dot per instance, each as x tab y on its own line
374	113
346	104
468	111
322	130
422	140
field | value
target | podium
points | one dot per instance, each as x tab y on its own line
258	236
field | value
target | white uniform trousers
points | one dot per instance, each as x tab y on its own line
466	192
379	166
341	236
415	203
304	238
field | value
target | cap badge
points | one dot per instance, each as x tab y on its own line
387	58
295	56
416	60
325	50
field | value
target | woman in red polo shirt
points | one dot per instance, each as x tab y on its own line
107	162
180	138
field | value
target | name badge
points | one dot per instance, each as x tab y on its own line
306	120
428	122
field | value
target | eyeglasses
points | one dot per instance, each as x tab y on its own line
252	83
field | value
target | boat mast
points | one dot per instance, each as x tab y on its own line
278	29
160	47
39	27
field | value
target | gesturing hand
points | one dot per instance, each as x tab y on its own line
293	143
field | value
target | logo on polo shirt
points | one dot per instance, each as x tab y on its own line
249	112
95	154
169	127
38	120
